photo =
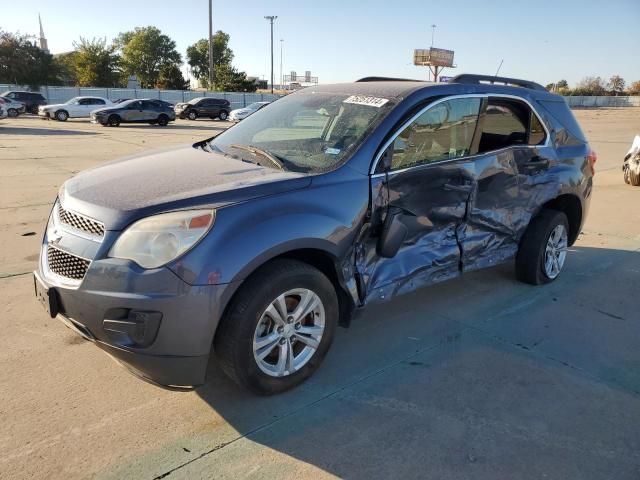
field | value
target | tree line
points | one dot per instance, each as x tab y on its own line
144	52
589	86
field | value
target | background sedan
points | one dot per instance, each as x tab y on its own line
242	113
134	111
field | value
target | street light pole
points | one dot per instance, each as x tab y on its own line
210	44
433	32
281	77
271	18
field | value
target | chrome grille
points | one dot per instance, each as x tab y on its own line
80	222
66	265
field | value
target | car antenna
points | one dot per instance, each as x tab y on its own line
499	67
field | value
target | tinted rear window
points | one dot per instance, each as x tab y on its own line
562	113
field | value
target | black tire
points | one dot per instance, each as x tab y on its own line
192	115
113	121
223	115
530	259
163	120
625	174
233	343
12	113
634	176
62	115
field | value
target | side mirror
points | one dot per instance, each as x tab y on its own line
393	235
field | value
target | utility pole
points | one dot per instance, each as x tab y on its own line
271	18
281	77
433	32
210	44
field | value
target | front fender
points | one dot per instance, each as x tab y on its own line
323	217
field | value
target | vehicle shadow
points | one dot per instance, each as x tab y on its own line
423	383
42	131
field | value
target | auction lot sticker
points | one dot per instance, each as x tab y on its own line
365	100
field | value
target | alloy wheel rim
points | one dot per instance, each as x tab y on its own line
289	332
555	251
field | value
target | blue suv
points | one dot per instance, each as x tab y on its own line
253	246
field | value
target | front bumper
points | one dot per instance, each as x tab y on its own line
151	321
44	113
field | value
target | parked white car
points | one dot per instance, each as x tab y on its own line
242	113
12	107
78	107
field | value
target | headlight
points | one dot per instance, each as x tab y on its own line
155	241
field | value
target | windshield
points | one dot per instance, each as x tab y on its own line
307	131
195	100
254	106
73	100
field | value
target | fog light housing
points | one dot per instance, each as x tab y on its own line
132	328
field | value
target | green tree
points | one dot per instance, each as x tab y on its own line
198	57
171	78
145	51
23	63
66	64
616	84
562	84
590	86
229	79
96	63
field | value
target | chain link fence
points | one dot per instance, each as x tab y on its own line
62	94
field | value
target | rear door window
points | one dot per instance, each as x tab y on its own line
508	123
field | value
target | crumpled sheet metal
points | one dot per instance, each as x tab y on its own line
632	158
453	231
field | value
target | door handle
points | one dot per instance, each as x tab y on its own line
537	162
463	187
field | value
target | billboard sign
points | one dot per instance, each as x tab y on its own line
437	57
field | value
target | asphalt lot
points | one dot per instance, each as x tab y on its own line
480	377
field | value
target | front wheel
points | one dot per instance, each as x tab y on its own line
278	328
543	249
12	112
113	121
192	115
61	115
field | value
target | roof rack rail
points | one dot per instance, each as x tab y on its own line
387	79
468	78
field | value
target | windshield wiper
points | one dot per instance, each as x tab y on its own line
258	151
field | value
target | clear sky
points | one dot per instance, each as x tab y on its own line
342	40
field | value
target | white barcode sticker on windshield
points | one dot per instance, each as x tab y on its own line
366	100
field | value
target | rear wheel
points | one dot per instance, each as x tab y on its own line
543	248
163	120
113	121
223	115
62	115
192	115
278	328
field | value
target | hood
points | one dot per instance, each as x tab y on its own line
183	177
241	111
106	109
